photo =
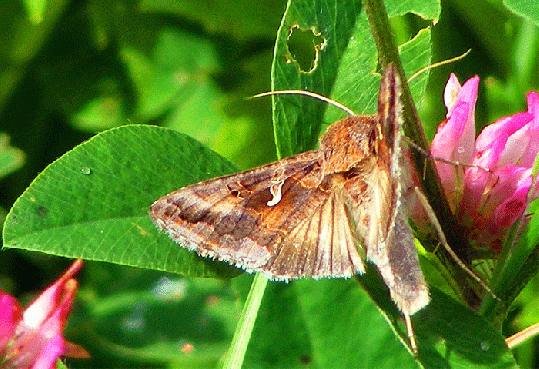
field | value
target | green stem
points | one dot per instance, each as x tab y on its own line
242	335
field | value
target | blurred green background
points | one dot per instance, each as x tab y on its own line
69	70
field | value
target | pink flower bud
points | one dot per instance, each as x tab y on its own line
34	338
485	202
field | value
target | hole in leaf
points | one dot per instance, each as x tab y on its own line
304	47
405	27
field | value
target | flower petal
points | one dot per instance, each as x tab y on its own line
451	92
511	209
455	137
38	341
504	141
50	353
533	143
35	314
511	185
10	315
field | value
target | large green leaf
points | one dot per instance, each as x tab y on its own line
143	316
332	323
453	336
280	338
92	203
297	119
346	329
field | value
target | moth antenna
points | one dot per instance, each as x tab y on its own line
438	227
427	154
435	65
338	105
314	95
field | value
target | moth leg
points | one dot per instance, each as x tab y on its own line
410	332
434	221
427	154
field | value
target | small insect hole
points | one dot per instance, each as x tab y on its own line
304	47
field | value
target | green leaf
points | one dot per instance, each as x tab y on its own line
180	64
279	338
35	10
297	119
345	328
524	8
448	333
155	318
102	112
426	9
516	265
453	336
11	158
332	323
132	316
92	203
343	70
240	19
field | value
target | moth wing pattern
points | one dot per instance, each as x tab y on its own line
284	219
390	243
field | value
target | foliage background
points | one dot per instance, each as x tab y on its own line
72	69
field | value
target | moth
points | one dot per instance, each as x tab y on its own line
310	215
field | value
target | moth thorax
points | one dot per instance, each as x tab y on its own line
348	142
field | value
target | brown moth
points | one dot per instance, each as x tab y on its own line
306	216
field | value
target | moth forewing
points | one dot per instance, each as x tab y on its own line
403	274
390	243
396	256
229	219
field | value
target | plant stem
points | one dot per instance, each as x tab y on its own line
242	335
